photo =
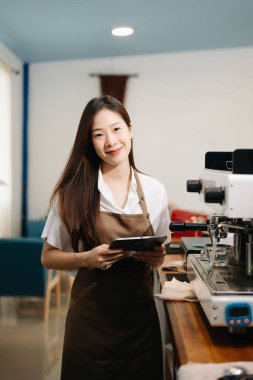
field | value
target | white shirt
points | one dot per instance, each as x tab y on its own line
155	196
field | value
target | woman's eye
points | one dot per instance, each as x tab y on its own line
98	135
117	128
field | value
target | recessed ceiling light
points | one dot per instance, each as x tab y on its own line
122	32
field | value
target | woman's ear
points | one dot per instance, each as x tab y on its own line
131	129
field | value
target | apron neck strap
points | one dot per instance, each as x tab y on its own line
141	195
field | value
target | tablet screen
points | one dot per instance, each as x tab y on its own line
138	243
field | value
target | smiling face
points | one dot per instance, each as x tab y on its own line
111	138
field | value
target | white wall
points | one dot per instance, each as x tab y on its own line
16	136
181	106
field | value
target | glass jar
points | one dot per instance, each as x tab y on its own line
222	254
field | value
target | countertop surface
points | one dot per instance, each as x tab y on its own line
195	340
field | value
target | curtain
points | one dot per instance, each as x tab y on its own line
114	85
5	152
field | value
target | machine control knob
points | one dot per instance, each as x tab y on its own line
214	195
194	186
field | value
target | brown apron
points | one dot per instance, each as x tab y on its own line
112	329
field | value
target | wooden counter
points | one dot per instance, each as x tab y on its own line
194	340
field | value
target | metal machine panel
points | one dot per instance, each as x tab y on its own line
238	192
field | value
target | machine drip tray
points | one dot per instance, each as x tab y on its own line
226	280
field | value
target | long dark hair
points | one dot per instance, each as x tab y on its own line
77	188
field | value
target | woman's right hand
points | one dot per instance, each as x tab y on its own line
101	257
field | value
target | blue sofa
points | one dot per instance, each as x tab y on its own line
21	271
35	227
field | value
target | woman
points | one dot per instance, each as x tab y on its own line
112	329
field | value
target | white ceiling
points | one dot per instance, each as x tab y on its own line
46	30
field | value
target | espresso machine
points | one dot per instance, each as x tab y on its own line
226	292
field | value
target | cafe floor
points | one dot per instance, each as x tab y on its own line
30	349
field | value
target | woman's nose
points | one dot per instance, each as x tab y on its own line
110	139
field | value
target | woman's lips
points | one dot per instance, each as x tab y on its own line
114	152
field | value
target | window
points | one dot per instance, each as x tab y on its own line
5	152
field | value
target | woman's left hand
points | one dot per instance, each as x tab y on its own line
153	258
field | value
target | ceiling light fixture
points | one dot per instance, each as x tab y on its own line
122	31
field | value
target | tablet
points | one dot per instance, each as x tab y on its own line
139	243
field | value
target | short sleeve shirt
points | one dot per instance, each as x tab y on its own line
155	195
